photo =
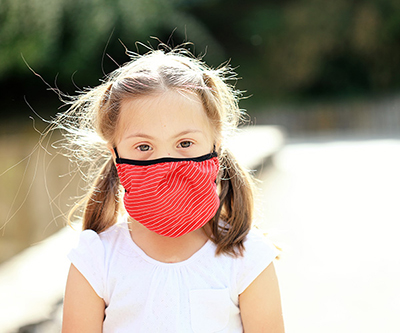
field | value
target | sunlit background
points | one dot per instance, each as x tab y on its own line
326	72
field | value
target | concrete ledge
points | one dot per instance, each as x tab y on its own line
254	146
32	282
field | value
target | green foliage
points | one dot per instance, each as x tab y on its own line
310	48
68	36
285	49
65	35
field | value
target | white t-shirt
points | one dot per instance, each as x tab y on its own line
200	294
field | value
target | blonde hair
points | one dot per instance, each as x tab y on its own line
90	124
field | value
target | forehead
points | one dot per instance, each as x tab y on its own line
170	110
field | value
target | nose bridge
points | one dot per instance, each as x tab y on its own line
164	150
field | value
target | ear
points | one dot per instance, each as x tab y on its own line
217	146
111	149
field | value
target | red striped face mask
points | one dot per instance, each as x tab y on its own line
170	196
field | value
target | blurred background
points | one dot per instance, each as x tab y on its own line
326	72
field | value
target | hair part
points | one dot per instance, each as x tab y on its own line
90	124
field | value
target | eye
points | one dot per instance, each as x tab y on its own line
143	147
185	144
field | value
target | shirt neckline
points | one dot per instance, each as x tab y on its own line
132	245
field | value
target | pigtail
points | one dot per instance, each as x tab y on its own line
236	207
102	203
233	220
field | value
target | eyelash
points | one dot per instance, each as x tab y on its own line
144	145
149	148
190	144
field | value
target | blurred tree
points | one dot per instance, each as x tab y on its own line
64	40
309	48
286	49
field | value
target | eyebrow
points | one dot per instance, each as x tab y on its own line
187	132
146	136
138	135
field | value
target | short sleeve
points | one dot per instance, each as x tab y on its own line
258	254
88	258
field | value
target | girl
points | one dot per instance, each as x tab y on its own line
174	250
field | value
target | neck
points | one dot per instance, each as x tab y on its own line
167	249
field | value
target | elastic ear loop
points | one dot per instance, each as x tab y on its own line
116	153
116	159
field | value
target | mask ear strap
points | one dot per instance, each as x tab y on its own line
116	152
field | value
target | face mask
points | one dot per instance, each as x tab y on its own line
170	196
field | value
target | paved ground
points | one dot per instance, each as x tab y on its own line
45	265
334	206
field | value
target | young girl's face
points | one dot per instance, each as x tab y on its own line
169	124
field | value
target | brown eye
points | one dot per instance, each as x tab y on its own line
144	147
185	144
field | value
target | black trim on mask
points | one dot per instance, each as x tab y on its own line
202	158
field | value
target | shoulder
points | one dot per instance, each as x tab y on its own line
258	254
90	256
259	245
260	304
259	296
114	234
92	241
